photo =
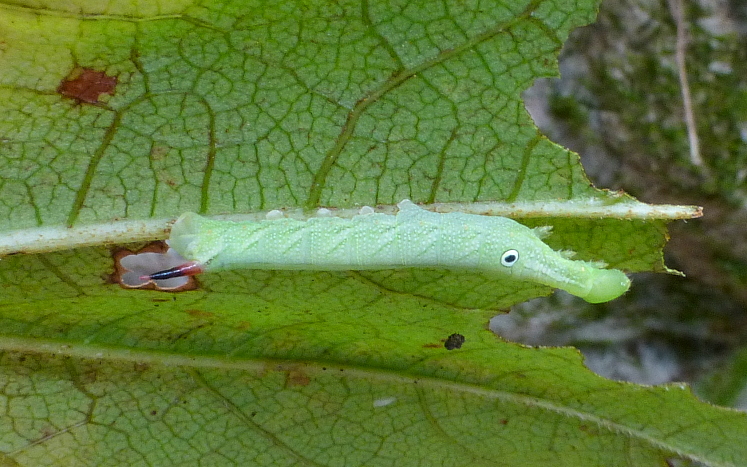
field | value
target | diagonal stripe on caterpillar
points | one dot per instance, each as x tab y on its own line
413	238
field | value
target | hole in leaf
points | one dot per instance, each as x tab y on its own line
154	257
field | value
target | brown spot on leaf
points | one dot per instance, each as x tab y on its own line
297	378
454	341
87	85
243	325
47	432
199	313
89	376
159	152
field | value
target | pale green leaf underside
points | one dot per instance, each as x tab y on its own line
237	107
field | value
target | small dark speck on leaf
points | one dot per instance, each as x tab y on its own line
454	341
87	85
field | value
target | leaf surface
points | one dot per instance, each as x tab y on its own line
142	113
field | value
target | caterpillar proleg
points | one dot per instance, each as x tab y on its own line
413	238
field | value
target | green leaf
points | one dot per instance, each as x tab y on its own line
123	118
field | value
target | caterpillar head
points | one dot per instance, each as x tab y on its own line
535	261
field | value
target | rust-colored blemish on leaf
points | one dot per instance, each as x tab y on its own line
87	85
243	325
297	378
199	313
159	152
89	376
46	432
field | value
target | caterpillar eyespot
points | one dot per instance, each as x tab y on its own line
510	258
413	238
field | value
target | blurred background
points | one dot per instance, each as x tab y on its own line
654	98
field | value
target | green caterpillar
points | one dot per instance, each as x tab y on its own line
413	238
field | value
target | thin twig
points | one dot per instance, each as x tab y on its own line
677	10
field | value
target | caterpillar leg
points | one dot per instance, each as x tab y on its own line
186	269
